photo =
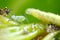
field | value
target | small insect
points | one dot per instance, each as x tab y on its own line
5	11
52	28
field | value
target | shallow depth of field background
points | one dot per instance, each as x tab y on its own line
18	7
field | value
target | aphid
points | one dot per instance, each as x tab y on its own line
4	11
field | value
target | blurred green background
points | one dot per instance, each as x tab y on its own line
18	7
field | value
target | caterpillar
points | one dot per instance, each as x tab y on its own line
46	17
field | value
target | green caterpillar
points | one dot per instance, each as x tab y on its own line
46	17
